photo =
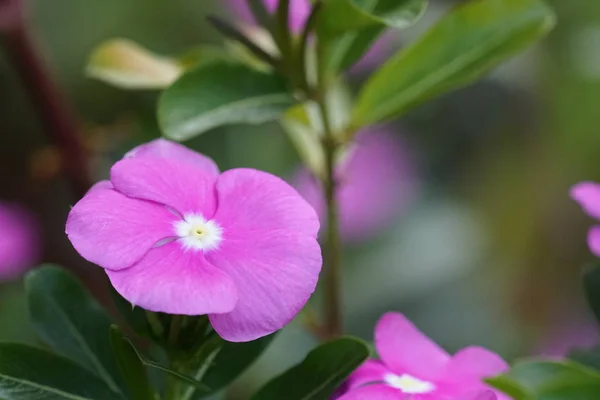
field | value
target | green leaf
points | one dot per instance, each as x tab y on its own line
125	64
345	15
587	357
231	361
27	373
591	287
221	93
153	364
66	317
346	40
130	365
134	316
549	380
321	372
460	48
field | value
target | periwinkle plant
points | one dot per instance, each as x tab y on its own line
207	266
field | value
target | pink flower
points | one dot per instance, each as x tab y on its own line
587	194
413	367
299	13
176	236
376	183
19	241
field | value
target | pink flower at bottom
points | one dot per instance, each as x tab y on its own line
587	194
176	236
19	241
375	184
413	367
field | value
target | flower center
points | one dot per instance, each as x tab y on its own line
196	233
409	384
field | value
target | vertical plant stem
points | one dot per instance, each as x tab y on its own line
333	249
54	114
333	253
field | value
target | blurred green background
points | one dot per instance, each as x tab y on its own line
491	251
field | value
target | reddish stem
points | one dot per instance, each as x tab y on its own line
46	98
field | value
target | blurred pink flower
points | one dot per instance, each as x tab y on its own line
177	236
19	241
376	183
587	194
299	13
413	367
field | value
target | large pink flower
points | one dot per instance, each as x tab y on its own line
177	236
587	194
299	13
19	241
376	183
413	367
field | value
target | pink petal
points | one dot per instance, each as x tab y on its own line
114	231
487	395
371	371
403	348
299	11
375	392
269	249
174	281
162	148
19	241
183	187
474	364
101	185
593	240
587	194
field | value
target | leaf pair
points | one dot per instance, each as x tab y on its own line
464	45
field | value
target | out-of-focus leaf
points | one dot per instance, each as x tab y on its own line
68	318
591	286
27	373
231	361
460	48
321	372
221	93
587	357
126	64
549	380
130	366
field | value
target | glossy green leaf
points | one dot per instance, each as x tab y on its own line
28	373
345	40
321	372
344	15
221	93
130	365
549	380
460	48
66	317
126	64
231	361
591	286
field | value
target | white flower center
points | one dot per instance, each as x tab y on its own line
196	233
409	384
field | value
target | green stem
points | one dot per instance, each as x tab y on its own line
333	248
